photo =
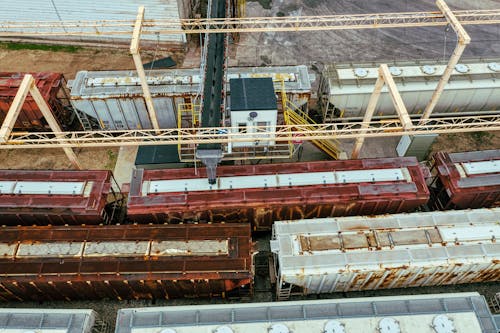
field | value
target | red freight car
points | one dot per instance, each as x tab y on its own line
124	262
262	194
50	86
42	197
466	180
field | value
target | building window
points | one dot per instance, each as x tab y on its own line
262	123
242	127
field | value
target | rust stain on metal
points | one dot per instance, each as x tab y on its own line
127	275
263	206
89	207
452	189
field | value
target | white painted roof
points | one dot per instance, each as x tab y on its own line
106	84
18	320
277	180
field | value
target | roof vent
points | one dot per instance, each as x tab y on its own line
443	324
223	329
429	70
168	330
360	72
388	325
278	328
461	68
334	326
396	71
494	66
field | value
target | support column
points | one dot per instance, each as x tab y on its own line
370	109
134	50
54	125
28	86
463	40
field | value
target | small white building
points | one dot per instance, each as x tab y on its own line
253	104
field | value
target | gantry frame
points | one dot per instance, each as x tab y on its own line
463	39
247	24
136	56
28	86
283	133
384	77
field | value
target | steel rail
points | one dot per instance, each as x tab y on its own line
247	24
283	133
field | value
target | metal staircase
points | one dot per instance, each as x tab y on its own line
293	115
188	116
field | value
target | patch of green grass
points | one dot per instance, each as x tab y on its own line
266	4
112	157
481	137
41	47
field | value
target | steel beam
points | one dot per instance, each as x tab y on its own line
246	24
384	77
370	109
173	136
463	41
28	86
15	108
136	55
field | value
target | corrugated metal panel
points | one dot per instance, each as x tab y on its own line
114	98
47	320
74	10
476	90
465	312
404	250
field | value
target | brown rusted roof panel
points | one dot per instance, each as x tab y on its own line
124	261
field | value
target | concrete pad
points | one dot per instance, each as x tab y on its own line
125	163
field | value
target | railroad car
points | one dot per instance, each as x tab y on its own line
42	197
391	251
113	99
124	261
434	313
466	180
262	194
51	87
474	87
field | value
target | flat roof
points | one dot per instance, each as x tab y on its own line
252	94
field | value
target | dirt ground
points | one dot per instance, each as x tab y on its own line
461	142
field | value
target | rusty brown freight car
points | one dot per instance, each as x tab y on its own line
262	194
41	197
466	180
124	261
50	86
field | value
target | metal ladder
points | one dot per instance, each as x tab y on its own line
494	303
84	120
283	291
